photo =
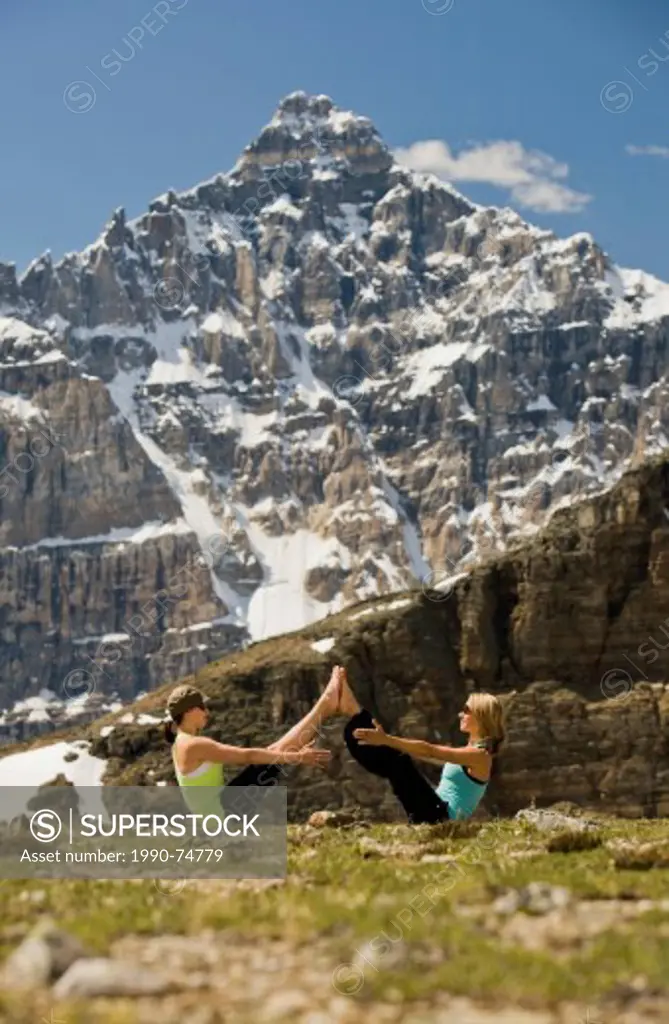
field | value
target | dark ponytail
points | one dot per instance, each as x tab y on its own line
170	731
181	701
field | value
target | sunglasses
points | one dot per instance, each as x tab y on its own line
466	710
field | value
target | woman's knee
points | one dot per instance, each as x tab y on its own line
361	720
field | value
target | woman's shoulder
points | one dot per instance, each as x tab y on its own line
483	746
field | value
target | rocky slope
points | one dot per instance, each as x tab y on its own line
571	627
312	380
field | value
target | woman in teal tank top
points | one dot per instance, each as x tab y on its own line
466	770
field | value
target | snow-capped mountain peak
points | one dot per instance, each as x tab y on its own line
343	374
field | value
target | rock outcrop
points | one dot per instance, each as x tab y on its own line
570	628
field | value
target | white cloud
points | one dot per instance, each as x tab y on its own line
533	179
662	151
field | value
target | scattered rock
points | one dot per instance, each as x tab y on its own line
535	898
87	979
331	819
640	857
33	896
550	821
44	955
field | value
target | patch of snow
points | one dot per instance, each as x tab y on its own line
428	364
45	699
342	121
116	638
284	205
253	428
281	604
447	582
54	356
637	297
23	773
541	404
362	614
12	329
119	535
19	408
39	715
573	325
323	646
412	543
324	172
222	321
309	387
321	335
57	323
351	223
76	706
167	372
530	294
273	284
562	428
402	602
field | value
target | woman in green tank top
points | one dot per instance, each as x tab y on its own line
198	761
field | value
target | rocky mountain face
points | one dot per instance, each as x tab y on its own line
315	379
571	628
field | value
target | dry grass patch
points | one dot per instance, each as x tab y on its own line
570	841
628	856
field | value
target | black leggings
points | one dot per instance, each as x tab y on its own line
257	775
411	788
254	775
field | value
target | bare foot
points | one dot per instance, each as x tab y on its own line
348	705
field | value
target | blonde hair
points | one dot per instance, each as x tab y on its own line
489	715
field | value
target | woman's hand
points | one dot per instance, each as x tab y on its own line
376	737
313	756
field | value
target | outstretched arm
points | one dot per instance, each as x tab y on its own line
204	749
471	757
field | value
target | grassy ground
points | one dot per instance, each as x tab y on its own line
403	914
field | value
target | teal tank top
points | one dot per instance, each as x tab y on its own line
200	788
462	793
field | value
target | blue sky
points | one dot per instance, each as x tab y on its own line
574	81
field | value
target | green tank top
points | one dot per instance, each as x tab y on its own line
200	788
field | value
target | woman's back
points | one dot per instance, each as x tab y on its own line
208	778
